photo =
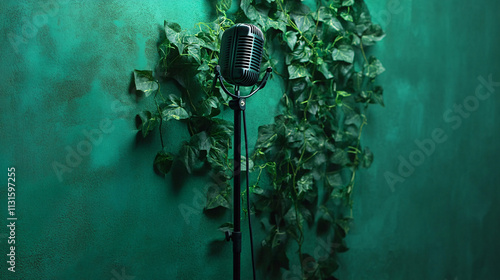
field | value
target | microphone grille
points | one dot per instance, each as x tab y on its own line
226	51
241	53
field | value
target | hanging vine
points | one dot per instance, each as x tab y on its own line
304	164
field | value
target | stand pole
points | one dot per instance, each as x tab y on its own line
236	235
238	104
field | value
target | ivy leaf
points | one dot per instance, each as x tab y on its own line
209	107
203	67
367	158
145	82
357	79
171	29
343	53
303	22
219	199
217	157
314	163
226	227
224	96
313	108
297	71
329	265
323	14
346	16
312	138
278	239
306	213
201	141
163	162
267	136
194	52
174	109
345	69
220	129
279	24
363	21
177	113
355	40
262	20
192	40
291	218
334	180
340	157
372	35
290	38
323	68
354	119
294	138
347	3
373	69
338	194
223	5
302	53
298	86
377	96
344	225
336	4
191	154
146	122
249	10
307	54
335	24
305	183
207	40
174	35
324	214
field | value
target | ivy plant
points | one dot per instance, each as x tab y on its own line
305	163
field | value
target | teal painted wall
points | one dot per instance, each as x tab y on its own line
440	220
110	216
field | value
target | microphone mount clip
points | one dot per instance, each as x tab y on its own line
236	95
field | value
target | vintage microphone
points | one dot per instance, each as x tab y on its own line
241	53
240	57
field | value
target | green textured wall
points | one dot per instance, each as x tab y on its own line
439	220
108	216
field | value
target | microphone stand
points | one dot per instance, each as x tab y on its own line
238	104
